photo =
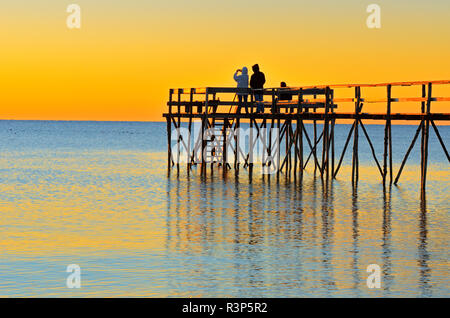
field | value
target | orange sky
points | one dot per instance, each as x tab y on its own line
127	54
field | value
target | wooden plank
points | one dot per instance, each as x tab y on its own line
439	82
349	136
307	104
320	116
321	101
311	89
411	146
267	91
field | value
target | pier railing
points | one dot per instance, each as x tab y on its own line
289	107
309	98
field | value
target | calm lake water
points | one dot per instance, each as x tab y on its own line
98	194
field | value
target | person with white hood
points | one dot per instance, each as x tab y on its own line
242	82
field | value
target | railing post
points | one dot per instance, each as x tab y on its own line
170	101
206	101
273	110
179	101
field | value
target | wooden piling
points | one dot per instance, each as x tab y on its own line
169	132
191	100
411	146
315	140
349	136
386	133
422	140
325	136
438	135
424	161
179	130
204	127
333	123
299	129
224	146
355	161
390	132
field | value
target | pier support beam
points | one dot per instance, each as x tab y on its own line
314	104
355	161
169	144
425	137
169	133
387	136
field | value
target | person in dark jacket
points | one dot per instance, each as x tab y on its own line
257	82
285	96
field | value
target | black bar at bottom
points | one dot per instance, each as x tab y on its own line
219	307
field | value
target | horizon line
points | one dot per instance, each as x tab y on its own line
163	121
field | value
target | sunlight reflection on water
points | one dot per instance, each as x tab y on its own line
136	230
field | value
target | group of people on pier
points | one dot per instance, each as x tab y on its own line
257	82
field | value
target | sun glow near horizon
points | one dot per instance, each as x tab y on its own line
125	57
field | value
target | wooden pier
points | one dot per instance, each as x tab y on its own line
287	110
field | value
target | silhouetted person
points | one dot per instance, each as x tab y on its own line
257	84
242	82
285	96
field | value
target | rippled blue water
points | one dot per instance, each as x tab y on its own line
98	194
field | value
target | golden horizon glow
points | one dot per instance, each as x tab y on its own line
122	62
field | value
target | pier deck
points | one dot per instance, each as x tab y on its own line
319	116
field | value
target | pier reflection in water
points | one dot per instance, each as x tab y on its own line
99	195
269	236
